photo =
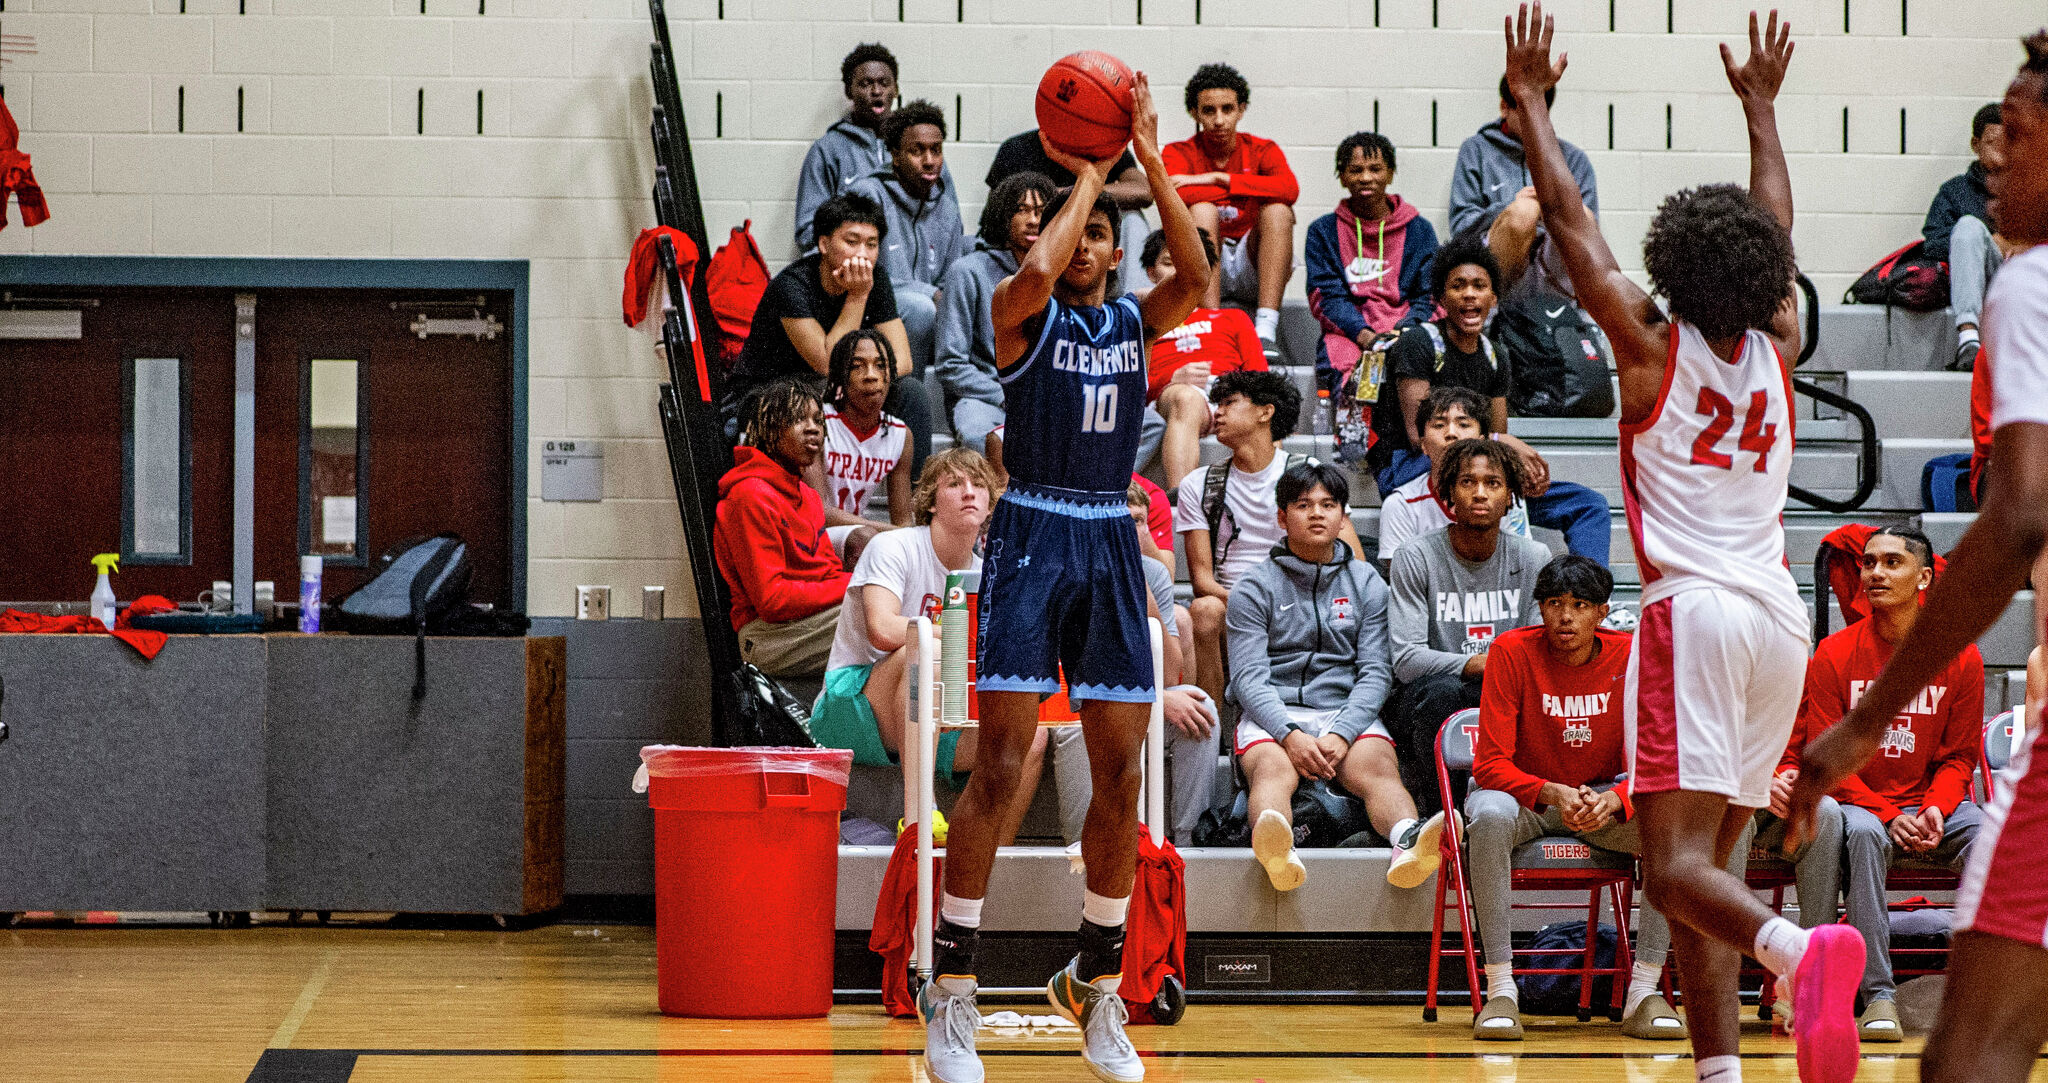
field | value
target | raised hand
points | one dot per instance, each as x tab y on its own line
1770	52
1144	116
1530	69
1072	163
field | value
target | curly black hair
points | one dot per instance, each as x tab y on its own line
1460	455
839	367
867	52
909	115
1465	250
2036	45
1217	77
1575	576
1155	246
1005	199
1373	144
1722	260
1263	388
775	406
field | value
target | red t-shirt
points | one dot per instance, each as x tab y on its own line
1259	174
1931	748
1224	337
1542	721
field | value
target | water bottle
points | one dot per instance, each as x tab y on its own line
309	594
1321	425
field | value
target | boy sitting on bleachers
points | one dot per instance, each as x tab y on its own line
1309	671
1448	415
1209	343
864	444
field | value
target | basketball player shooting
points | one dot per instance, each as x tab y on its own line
1706	450
1991	1025
1061	586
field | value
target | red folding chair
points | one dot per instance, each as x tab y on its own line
1554	863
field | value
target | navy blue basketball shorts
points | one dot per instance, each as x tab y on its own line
1061	585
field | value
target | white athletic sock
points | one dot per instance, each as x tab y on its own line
1104	911
1500	982
965	913
1966	336
1722	1069
1267	322
1400	829
1779	946
1642	984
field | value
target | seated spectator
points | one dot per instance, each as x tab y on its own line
1226	514
1209	343
1239	188
964	352
1912	800
823	297
1025	153
902	576
1308	631
1492	200
1368	261
1959	230
786	577
1550	761
1454	590
1447	415
852	147
864	444
1158	519
924	234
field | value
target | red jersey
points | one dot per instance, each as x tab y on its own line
1259	174
1930	751
1224	337
1542	721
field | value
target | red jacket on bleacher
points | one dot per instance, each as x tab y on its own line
770	543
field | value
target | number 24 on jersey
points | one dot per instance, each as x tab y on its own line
1756	435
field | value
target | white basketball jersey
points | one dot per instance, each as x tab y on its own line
855	464
1704	476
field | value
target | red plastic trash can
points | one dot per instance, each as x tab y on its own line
746	874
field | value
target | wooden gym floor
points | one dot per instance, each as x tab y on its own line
573	1003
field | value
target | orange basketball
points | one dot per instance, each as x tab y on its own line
1084	105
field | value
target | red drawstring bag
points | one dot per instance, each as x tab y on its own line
894	933
1156	931
736	279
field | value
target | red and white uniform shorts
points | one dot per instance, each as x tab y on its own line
2005	886
1312	722
1713	689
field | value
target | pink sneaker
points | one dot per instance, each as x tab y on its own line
1824	1004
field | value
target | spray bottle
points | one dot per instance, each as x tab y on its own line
103	606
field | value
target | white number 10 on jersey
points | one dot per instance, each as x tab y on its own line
1098	407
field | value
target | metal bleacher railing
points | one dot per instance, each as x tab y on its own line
698	453
1867	466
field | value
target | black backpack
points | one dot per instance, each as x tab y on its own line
1559	367
1905	279
1215	508
418	582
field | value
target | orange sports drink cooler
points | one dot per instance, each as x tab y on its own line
746	868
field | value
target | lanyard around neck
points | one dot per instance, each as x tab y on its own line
1360	228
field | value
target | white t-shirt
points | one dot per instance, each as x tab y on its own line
2016	337
1251	526
1412	510
904	562
855	464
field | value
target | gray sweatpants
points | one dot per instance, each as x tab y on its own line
1973	258
1190	778
1816	865
1868	852
1496	823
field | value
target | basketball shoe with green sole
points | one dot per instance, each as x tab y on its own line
1100	1013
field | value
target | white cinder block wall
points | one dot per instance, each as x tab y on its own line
350	128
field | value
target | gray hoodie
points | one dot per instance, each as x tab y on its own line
844	154
1491	171
1309	635
1446	610
964	351
924	236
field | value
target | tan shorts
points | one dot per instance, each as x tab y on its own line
791	648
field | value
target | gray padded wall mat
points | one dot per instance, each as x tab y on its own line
140	788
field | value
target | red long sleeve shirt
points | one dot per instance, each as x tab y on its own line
1542	721
1931	748
770	543
1259	174
1223	337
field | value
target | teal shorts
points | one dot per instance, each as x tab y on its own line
843	718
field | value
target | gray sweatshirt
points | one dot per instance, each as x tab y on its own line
1491	170
924	236
1308	635
964	353
844	154
1445	610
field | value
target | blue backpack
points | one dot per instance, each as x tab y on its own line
1558	994
1945	483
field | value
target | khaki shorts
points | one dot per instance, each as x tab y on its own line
791	648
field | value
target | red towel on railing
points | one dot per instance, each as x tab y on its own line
146	643
894	934
1156	932
643	270
16	176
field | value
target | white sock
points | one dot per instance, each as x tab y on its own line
1779	946
1642	981
965	913
1104	911
1722	1069
1400	829
1267	322
1965	336
1500	982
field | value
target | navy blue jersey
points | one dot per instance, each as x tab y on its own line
1073	403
